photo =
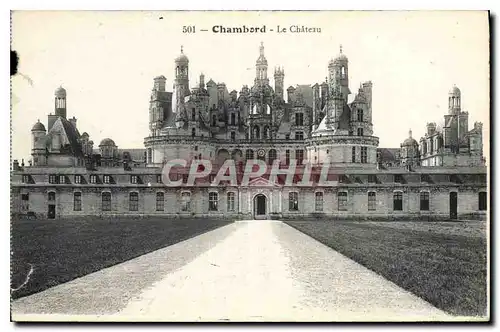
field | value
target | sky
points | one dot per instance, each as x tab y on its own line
106	61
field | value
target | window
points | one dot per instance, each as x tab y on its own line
360	115
193	132
342	200
353	154
372	201
186	201
52	197
93	179
350	132
398	178
149	155
62	179
193	114
25	202
52	179
318	202
360	131
78	179
272	156
249	154
77	201
230	202
299	135
299	155
372	178
233	119
213	200
233	136
483	201
364	154
214	120
106	179
134	179
398	201
106	201
26	179
287	157
287	136
424	201
133	202
299	119
158	178
293	201
160	201
424	178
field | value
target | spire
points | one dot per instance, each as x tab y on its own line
409	133
261	49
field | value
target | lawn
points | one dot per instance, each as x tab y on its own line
447	270
61	250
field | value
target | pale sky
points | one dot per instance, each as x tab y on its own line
107	61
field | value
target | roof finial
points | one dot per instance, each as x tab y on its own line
182	49
409	133
262	48
340	48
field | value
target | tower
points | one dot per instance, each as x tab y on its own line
279	78
338	75
181	83
156	111
454	102
60	102
261	67
38	149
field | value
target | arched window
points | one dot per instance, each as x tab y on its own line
230	201
160	201
343	72
106	201
213	201
318	202
424	201
249	154
133	202
193	114
214	120
256	132
186	201
233	136
398	201
272	156
193	132
233	119
293	201
77	201
360	115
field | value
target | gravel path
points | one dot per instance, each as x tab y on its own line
262	271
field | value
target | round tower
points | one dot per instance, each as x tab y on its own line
38	149
60	102
181	82
410	152
338	74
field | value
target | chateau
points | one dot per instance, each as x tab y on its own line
442	175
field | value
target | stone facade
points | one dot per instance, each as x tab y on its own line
442	177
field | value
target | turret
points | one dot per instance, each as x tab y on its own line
261	67
279	79
60	102
38	148
338	72
454	102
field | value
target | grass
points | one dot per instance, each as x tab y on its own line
448	271
61	251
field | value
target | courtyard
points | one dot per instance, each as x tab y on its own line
207	270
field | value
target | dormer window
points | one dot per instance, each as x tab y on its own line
62	179
93	179
107	179
78	179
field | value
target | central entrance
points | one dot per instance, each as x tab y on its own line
259	206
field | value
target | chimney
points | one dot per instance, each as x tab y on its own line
15	165
73	122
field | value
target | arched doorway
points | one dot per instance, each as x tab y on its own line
260	206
